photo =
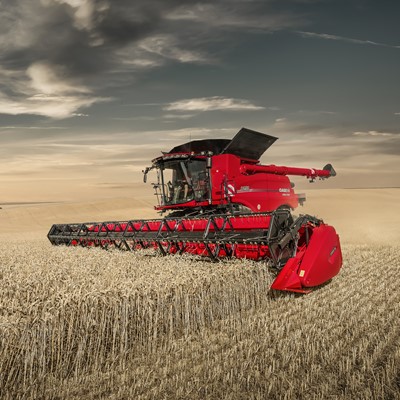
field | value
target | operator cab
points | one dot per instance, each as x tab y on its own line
181	179
186	180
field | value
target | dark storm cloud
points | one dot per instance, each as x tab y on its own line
82	36
58	55
70	49
124	22
81	43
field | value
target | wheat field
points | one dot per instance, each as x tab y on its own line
80	323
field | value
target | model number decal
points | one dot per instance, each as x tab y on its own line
284	190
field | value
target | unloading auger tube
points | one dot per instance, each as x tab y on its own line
223	203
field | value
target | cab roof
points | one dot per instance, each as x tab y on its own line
245	144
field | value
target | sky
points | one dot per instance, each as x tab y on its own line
92	90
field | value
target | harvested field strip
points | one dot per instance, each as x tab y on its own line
88	323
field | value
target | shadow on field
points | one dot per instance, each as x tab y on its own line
277	294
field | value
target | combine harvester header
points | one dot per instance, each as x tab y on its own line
220	202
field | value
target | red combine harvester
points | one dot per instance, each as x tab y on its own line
221	202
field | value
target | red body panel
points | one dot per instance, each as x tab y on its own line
314	264
258	192
323	258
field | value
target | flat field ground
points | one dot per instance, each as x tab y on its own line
80	323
